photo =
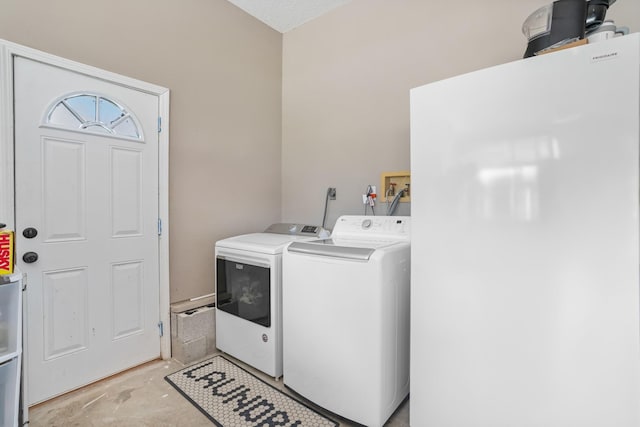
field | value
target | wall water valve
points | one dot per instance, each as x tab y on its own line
394	182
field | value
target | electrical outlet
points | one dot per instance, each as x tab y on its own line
332	193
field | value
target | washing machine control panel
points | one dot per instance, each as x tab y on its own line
369	226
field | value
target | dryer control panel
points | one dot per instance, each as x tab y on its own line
297	230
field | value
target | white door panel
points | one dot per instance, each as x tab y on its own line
93	293
126	191
65	314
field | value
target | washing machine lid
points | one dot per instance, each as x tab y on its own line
355	249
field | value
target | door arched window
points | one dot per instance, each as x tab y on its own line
87	112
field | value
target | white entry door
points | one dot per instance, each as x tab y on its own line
86	177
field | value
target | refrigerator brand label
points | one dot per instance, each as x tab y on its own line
604	57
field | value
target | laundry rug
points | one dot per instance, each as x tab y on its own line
232	397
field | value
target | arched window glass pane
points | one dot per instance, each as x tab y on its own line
96	127
62	116
109	112
127	127
84	106
93	113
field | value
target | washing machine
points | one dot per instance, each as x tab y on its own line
249	294
346	318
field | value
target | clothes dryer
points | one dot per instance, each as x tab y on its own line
346	318
249	294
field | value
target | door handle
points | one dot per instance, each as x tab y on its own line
30	257
29	232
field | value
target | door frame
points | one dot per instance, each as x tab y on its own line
10	50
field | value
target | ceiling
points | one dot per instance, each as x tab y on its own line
285	15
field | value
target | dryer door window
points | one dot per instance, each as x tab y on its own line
244	290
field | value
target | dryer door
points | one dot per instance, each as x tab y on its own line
244	290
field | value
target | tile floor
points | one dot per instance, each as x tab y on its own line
141	397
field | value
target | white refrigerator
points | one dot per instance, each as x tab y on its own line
525	304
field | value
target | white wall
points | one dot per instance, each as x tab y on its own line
346	82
